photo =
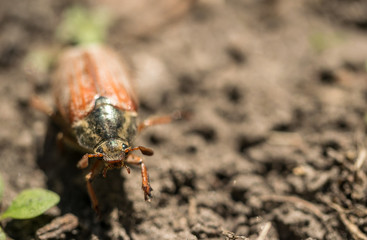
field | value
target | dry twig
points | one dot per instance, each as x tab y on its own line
351	227
232	236
301	203
58	227
360	159
265	231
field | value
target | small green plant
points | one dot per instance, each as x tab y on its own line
80	25
1	188
29	203
320	41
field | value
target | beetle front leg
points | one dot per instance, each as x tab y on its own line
89	178
83	163
135	160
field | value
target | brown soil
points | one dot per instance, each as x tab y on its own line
278	93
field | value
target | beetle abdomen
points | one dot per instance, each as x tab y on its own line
86	73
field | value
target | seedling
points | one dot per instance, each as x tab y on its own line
82	26
28	204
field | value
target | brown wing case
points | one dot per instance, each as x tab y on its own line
86	73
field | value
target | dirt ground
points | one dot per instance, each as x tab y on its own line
275	148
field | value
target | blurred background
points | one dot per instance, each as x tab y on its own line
275	148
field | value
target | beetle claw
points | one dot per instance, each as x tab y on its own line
127	169
147	193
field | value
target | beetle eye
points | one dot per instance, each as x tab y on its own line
99	149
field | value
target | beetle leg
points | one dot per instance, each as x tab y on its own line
37	103
135	160
104	172
40	105
83	163
162	120
89	178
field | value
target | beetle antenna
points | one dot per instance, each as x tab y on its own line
143	150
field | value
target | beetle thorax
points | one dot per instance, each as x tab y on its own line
105	123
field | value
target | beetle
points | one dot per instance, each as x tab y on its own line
98	108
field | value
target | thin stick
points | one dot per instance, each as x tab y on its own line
360	159
297	201
265	231
352	228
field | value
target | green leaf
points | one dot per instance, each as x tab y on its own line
2	234
31	203
84	26
1	188
320	41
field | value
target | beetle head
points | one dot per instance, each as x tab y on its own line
114	154
115	151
